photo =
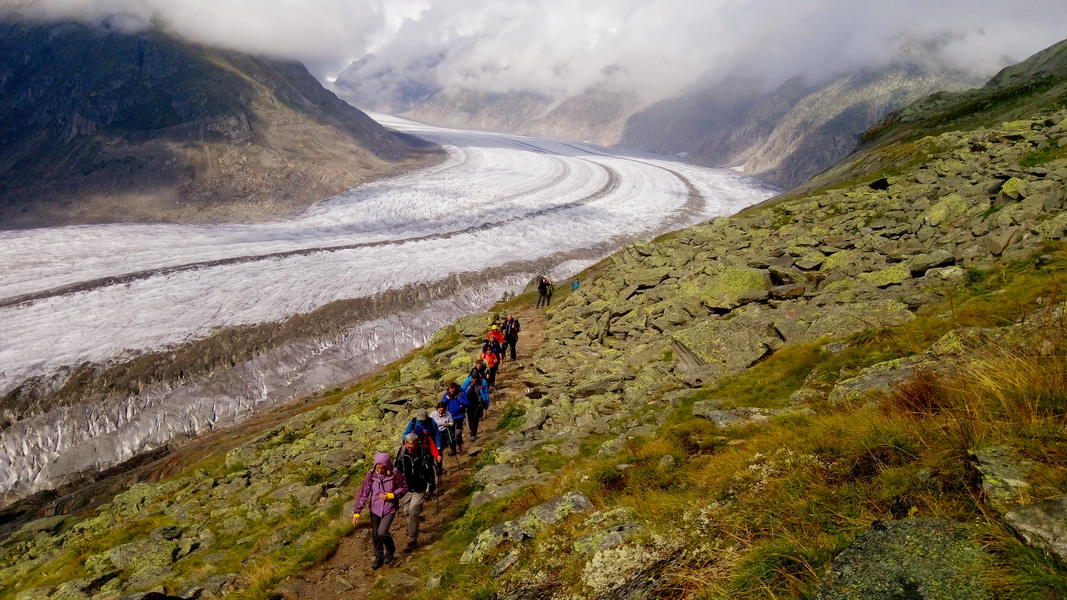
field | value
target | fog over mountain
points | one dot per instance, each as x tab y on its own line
560	48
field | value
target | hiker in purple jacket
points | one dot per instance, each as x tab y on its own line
383	486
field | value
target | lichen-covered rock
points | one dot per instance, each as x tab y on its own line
39	593
746	415
143	555
886	277
946	210
416	369
836	322
474	326
305	495
1043	525
622	571
732	345
497	474
613	446
1003	475
876	382
611	537
727	284
528	525
917	559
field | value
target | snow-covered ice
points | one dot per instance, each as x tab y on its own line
510	205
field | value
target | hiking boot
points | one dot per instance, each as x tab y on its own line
377	564
410	547
389	549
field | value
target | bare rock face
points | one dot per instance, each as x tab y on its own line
101	126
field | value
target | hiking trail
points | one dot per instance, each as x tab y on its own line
347	574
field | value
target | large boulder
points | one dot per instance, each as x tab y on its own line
727	347
876	382
915	559
841	321
727	284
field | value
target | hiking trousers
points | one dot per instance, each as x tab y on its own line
413	502
474	416
458	422
448	438
380	536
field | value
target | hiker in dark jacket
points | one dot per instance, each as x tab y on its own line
544	294
479	369
476	390
510	328
420	473
383	486
456	401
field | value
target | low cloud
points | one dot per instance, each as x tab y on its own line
562	47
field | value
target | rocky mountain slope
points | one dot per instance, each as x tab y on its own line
98	125
784	135
854	391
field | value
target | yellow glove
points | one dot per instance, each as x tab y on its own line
390	495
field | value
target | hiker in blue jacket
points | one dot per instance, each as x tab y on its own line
425	427
457	404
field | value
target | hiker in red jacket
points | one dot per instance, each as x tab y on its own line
495	335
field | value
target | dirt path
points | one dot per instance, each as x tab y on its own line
347	574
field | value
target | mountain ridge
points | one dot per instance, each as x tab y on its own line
783	135
161	130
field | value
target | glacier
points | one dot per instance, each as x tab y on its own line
499	210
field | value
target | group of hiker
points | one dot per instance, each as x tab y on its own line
545	289
415	473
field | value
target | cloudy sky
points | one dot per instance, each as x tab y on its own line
566	46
